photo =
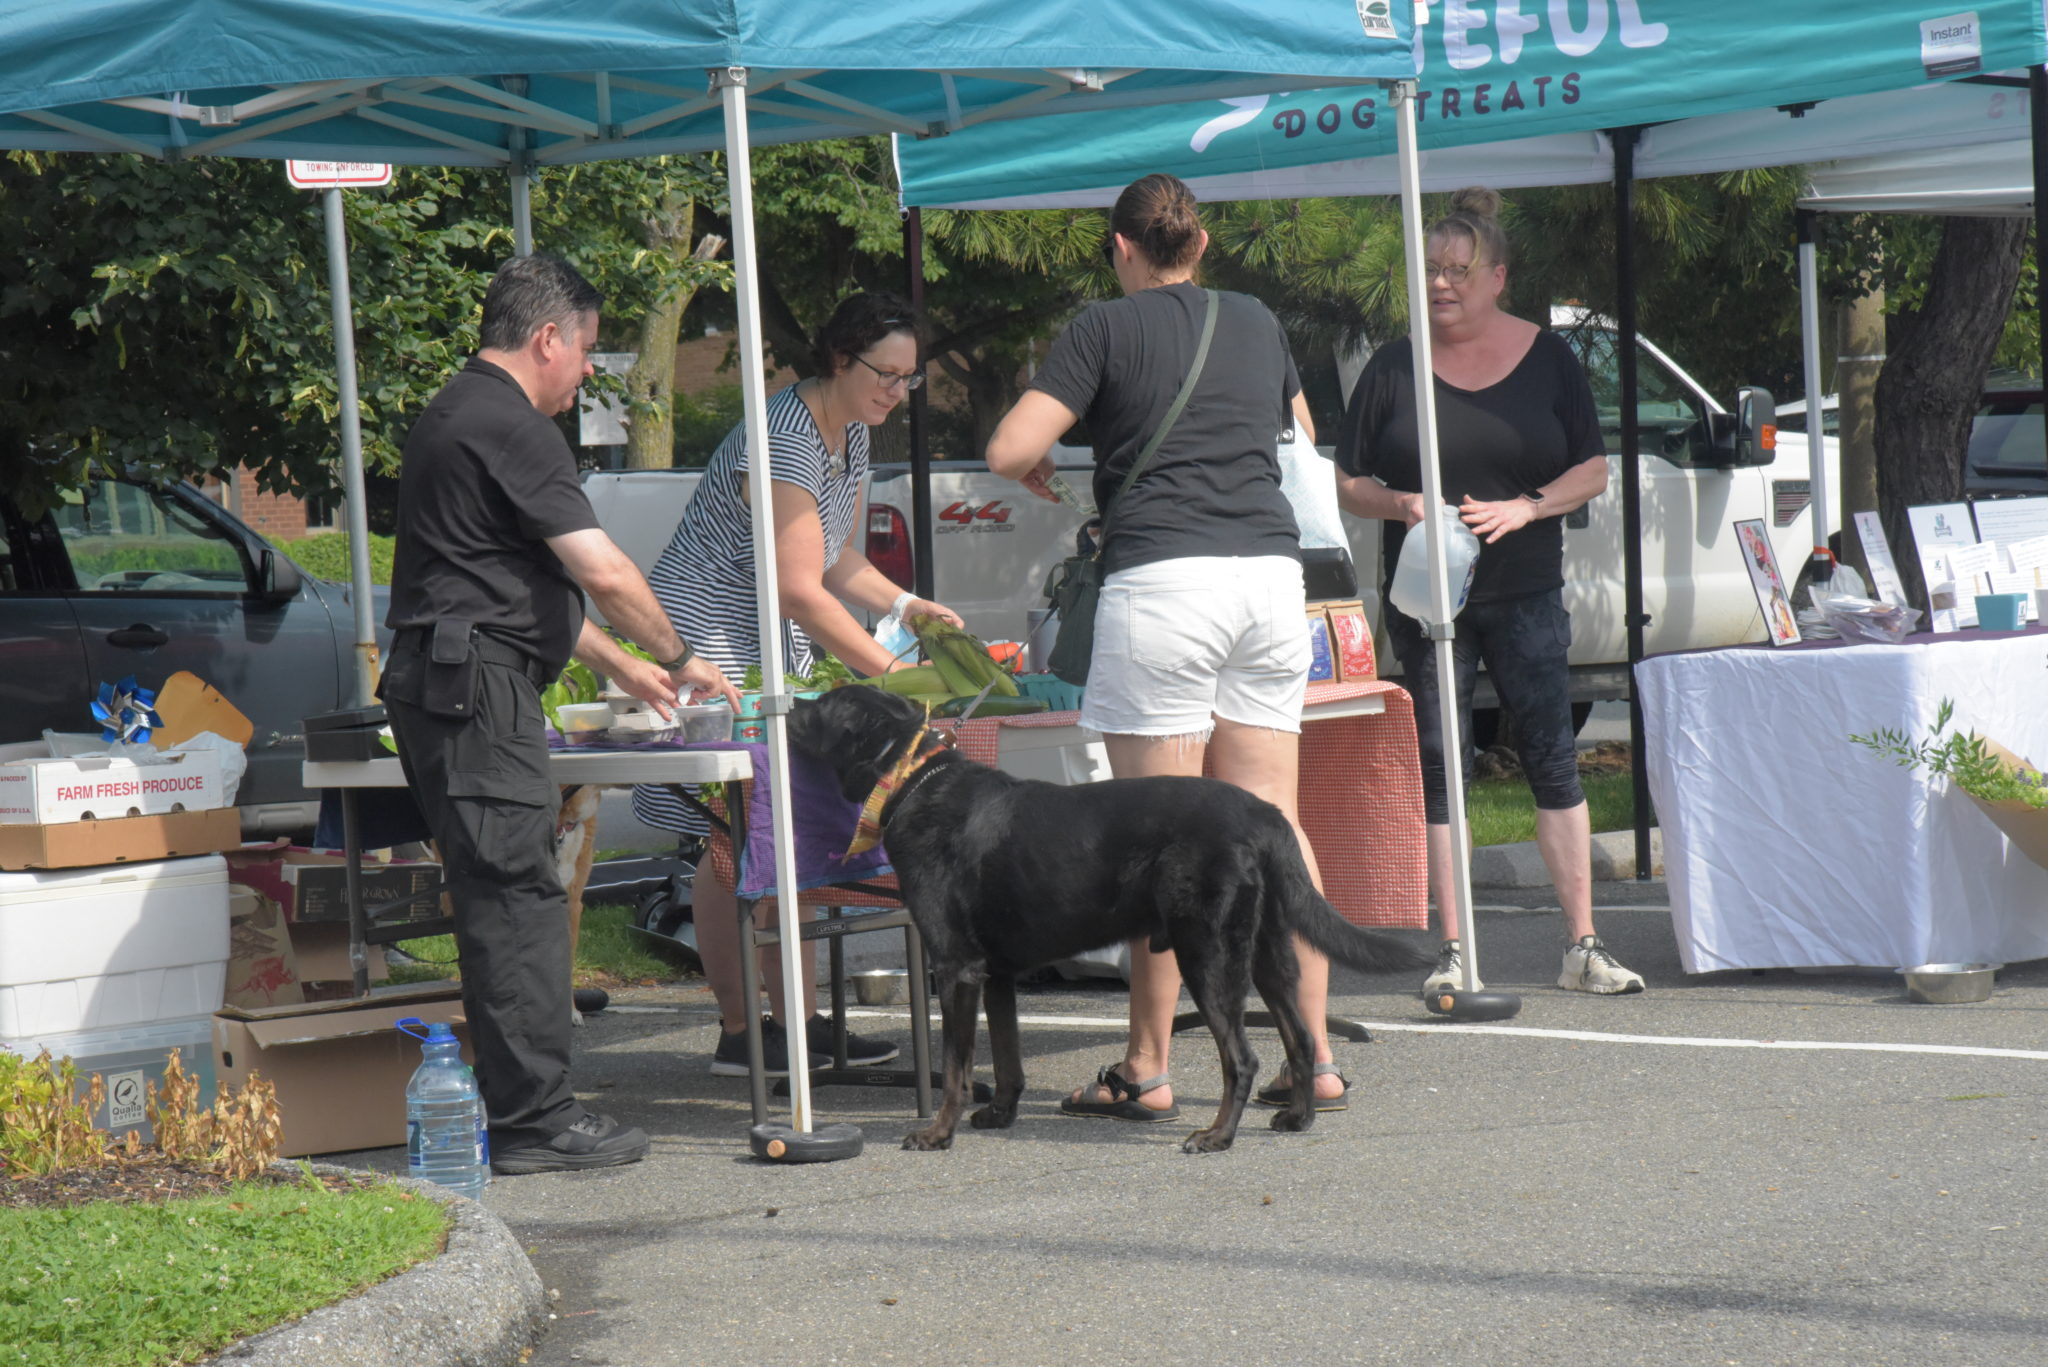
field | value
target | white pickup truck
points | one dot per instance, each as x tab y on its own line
993	544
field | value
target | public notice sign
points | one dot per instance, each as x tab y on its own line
337	175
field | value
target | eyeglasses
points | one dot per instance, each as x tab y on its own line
1451	271
890	379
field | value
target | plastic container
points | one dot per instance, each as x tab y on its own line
1059	695
128	1059
112	945
1409	590
583	723
2000	611
446	1139
704	721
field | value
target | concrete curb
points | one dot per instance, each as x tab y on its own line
478	1304
1521	866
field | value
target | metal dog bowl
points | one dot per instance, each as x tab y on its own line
1949	984
881	986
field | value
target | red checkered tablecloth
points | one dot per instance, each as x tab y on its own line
1360	797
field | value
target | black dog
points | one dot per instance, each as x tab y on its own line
1003	874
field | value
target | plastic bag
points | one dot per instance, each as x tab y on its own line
234	762
1310	482
1866	619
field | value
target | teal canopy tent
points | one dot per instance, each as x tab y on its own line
1514	93
523	83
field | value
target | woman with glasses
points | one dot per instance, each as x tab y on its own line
1518	439
1201	642
866	359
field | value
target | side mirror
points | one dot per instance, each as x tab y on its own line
278	578
1747	437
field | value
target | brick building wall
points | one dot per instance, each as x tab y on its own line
281	517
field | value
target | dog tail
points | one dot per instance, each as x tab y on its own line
1293	900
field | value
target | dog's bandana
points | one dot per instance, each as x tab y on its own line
868	833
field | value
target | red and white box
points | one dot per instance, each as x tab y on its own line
100	787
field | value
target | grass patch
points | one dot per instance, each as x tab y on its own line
119	1285
606	955
1502	812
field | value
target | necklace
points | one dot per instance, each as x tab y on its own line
835	461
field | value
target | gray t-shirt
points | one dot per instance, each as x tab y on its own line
1213	487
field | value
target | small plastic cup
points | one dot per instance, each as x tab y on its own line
1999	611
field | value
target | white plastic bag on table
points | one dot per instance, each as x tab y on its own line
1846	583
1867	619
234	762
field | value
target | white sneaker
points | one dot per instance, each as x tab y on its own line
1450	970
1588	967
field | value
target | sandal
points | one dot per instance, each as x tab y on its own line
1281	1093
1123	1103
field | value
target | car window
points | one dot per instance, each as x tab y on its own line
1667	412
123	538
2008	434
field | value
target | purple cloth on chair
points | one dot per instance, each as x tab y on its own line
824	823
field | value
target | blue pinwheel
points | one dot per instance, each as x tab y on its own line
126	712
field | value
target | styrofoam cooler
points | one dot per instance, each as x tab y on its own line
129	1058
112	945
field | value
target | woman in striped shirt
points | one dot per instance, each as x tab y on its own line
866	361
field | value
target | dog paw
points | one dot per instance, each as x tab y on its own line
927	1141
1206	1141
991	1118
1290	1122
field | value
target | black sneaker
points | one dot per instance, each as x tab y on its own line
861	1052
730	1058
595	1141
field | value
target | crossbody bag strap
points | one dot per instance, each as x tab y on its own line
1180	401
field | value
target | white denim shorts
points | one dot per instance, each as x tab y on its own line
1179	643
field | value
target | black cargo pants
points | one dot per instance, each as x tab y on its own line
483	786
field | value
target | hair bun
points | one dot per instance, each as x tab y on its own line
1481	201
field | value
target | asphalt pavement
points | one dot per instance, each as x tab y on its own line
1732	1168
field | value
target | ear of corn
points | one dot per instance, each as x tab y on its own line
963	661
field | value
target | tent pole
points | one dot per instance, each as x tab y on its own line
920	439
731	84
1455	898
2037	122
522	210
1822	564
1624	142
352	482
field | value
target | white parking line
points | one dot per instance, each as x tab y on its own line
1590	1036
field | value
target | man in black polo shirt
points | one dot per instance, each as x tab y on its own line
496	545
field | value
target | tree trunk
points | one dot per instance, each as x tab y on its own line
1934	375
1859	359
651	383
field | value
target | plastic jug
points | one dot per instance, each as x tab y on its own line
1409	590
446	1142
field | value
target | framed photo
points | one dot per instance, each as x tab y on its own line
1772	597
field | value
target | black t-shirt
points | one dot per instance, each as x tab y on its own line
1213	487
1494	443
486	479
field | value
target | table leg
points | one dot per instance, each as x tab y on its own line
358	915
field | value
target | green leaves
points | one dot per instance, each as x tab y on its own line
1962	759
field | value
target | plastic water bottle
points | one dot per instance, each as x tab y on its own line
447	1142
1409	590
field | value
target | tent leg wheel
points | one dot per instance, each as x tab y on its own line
782	1144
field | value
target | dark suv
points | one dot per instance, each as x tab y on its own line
2008	441
124	578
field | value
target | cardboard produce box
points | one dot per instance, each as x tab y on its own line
340	1068
102	787
77	844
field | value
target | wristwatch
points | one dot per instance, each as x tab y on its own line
1535	496
689	654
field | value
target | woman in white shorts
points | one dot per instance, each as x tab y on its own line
1201	643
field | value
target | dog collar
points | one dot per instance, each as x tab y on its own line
868	833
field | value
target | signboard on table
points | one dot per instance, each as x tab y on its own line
1939	531
337	175
1877	553
1771	597
2020	527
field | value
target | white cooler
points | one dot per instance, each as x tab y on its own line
112	946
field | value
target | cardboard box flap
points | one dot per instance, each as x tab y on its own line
2026	827
270	1026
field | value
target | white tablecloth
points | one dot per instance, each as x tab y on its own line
1788	846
